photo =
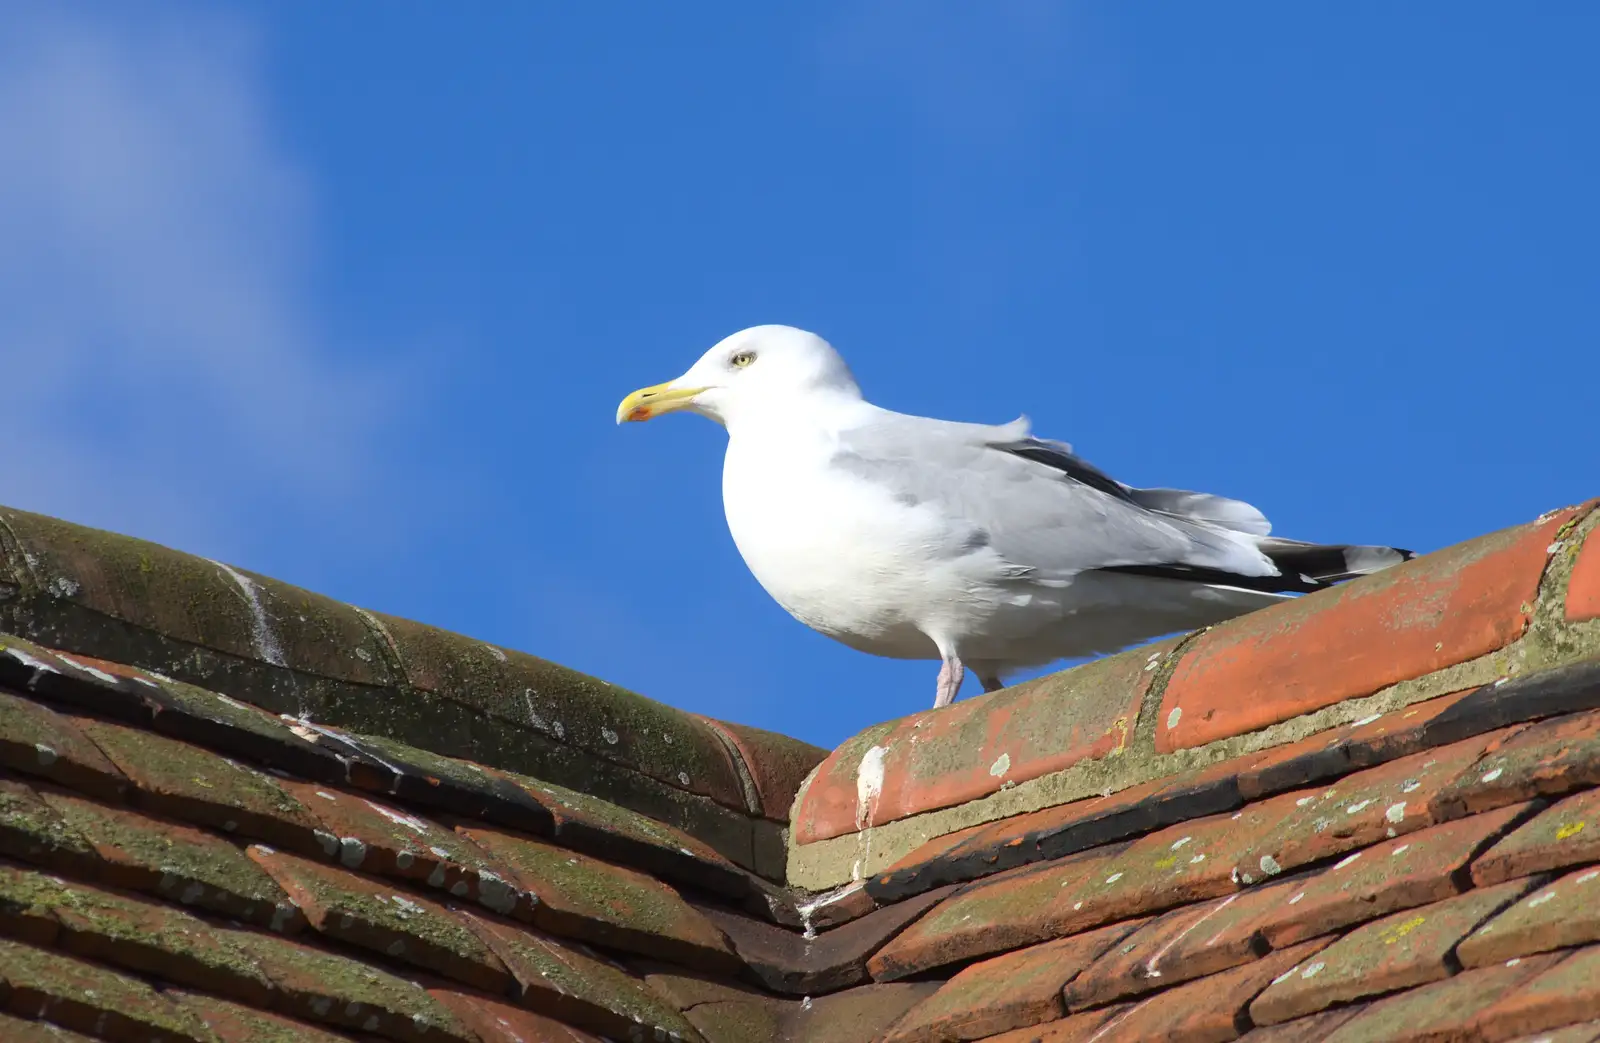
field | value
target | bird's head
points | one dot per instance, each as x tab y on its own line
760	369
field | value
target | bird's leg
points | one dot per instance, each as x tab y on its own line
950	674
990	682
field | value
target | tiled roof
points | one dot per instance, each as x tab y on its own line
231	809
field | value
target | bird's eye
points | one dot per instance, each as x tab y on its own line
742	359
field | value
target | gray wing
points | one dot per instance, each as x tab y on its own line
1041	508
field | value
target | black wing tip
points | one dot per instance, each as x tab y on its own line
1287	583
1305	569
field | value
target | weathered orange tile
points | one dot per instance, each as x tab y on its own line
1583	588
777	764
176	862
232	1023
1209	1010
35	740
1055	832
1426	866
1587	1032
1566	834
31	831
15	1030
1549	758
1567	993
1407	621
587	823
933	864
582	897
37	983
940	758
132	932
496	1021
1185	863
1011	991
25	906
1355	811
1442	1012
574	985
193	785
1142	962
401	925
1563	913
1401	951
1091	1026
790	963
1313	1029
316	985
386	840
1007	912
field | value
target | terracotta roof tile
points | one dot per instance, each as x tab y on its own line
1588	1032
1567	834
477	846
938	758
1313	1029
317	985
1186	943
15	1030
577	986
1016	990
384	839
1352	640
581	897
1562	913
1008	912
776	764
38	983
401	924
1213	1009
35	740
139	935
1052	833
1355	811
1087	1027
31	831
795	964
1583	590
1549	758
194	785
1061	830
1441	1011
1404	949
859	1014
1423	867
176	862
497	1021
233	1023
1567	992
573	710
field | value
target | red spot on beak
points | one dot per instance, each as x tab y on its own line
640	413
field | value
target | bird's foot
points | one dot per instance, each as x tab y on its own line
950	674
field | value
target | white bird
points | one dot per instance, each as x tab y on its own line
980	546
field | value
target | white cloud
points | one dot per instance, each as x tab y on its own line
163	372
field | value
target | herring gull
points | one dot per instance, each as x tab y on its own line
980	546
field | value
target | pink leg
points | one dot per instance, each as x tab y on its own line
950	674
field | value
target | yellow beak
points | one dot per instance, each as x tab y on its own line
653	401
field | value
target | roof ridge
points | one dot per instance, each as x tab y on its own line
291	651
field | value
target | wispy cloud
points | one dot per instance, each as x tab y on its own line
164	372
965	69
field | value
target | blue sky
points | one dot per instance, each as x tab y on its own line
347	294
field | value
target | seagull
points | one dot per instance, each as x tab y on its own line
980	546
